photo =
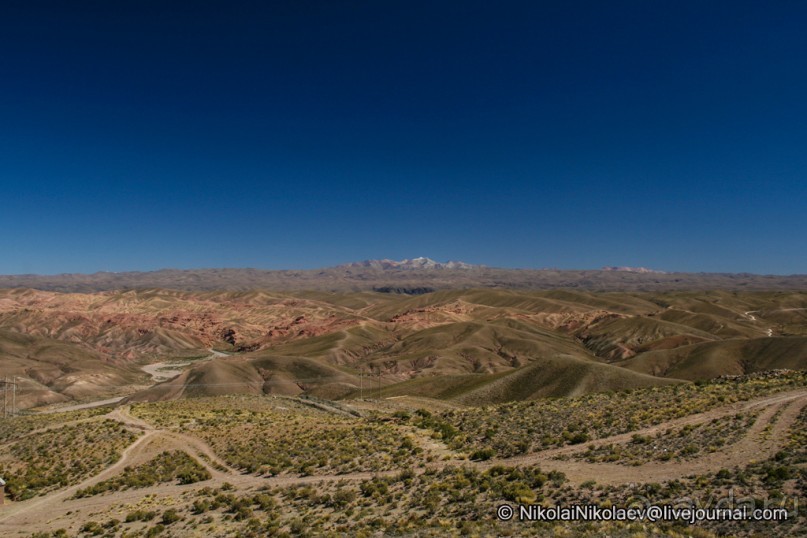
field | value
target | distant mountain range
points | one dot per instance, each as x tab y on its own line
409	276
414	263
632	270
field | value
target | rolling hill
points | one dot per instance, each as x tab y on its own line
49	371
473	346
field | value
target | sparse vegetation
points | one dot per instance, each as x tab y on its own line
522	427
272	436
446	498
166	467
61	457
12	429
677	444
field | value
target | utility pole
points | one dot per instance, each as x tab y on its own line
5	399
14	397
361	384
379	384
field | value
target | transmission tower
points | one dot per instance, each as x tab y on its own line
7	412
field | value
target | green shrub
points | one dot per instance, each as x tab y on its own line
170	516
482	454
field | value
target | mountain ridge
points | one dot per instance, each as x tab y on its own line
416	273
626	269
420	262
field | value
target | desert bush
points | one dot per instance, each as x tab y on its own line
140	515
170	516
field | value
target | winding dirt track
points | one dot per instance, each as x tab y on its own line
756	444
762	440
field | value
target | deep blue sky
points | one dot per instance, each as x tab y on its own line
150	134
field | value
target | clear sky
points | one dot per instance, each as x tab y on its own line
137	135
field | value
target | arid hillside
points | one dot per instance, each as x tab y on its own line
467	346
